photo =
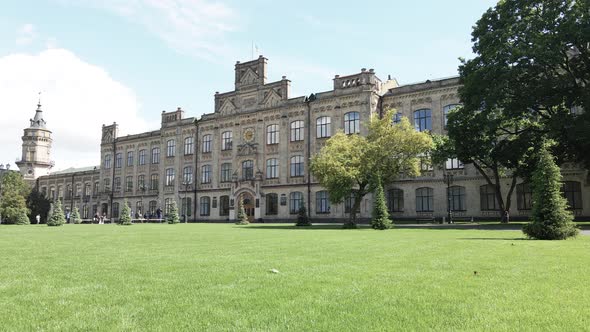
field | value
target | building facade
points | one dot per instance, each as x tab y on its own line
257	144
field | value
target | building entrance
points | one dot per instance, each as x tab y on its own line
248	205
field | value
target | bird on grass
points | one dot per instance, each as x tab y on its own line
475	273
274	271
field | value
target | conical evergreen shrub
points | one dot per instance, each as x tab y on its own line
125	218
172	217
380	213
302	217
550	218
242	216
75	217
57	217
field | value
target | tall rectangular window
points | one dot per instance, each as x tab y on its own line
272	134
129	158
322	202
487	195
188	145
107	161
323	127
186	207
224	206
297	131
247	169
206	174
141	157
118	160
156	155
141	182
129	183
295	202
272	168
206	143
296	166
424	200
395	200
169	176
154	182
446	110
272	204
423	119
456	198
187	175
170	148
352	123
205	206
226	140
117	184
226	172
454	163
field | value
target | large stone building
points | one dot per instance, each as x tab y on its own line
257	144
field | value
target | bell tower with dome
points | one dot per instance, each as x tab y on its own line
36	148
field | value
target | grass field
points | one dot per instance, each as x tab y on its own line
216	277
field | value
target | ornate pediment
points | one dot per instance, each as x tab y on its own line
247	149
272	99
249	77
227	107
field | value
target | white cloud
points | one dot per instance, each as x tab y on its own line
26	34
77	99
194	27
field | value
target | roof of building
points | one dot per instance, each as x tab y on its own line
76	170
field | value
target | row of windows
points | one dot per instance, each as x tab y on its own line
423	117
155	154
571	190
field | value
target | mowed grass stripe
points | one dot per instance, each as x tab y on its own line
216	277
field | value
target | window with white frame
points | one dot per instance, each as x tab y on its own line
226	172
423	119
272	168
206	174
226	140
188	145
272	134
206	144
323	127
297	130
352	123
296	166
171	148
169	176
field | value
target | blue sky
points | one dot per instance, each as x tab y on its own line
127	60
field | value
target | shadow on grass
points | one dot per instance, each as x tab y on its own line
495	238
291	227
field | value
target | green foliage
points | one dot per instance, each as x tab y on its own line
56	217
380	213
533	63
125	217
75	216
242	216
172	217
38	204
13	206
550	218
302	217
348	164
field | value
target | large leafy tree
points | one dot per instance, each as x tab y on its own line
487	140
38	204
533	63
348	165
13	205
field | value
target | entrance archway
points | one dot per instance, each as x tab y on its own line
249	205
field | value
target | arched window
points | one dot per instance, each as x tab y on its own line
395	200
423	119
188	145
206	143
572	191
424	199
205	206
457	198
226	172
247	169
487	196
224	205
352	123
272	204
226	140
446	110
397	118
297	166
272	134
322	202
323	127
272	168
295	202
170	148
297	131
206	174
524	196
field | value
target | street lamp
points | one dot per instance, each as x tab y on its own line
448	178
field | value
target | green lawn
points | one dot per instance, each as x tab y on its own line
216	277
